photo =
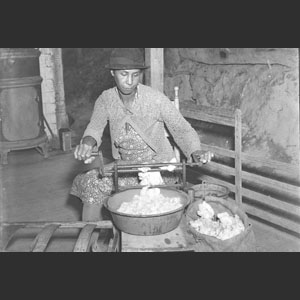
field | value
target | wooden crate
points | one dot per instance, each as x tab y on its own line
87	239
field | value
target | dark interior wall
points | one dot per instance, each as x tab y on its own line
85	74
85	78
262	82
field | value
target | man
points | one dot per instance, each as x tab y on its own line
137	116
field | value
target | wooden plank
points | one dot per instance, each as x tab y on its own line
226	113
277	220
289	171
213	115
267	200
272	202
214	180
213	166
100	240
276	167
271	183
110	246
84	238
58	81
264	199
192	111
8	234
114	245
100	224
186	249
264	182
218	150
238	156
176	104
154	58
42	239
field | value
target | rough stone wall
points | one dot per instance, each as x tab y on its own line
262	82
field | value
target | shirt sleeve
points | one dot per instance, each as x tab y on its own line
181	130
98	121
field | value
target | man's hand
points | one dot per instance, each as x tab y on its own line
202	156
84	150
109	167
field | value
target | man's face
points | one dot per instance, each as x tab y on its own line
127	80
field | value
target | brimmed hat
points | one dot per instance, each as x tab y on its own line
126	59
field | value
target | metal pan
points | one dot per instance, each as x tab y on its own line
146	225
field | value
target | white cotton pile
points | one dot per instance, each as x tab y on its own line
225	227
154	178
205	211
150	202
170	168
149	178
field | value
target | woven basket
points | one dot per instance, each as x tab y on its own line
243	242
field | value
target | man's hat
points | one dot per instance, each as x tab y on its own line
126	59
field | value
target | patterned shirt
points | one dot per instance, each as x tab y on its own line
148	116
132	147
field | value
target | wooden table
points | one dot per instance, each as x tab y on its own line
178	240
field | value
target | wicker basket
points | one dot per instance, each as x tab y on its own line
243	242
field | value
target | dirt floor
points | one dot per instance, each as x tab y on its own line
37	189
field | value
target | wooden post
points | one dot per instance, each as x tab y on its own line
238	156
61	114
176	103
155	74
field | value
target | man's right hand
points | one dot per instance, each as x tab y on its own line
84	151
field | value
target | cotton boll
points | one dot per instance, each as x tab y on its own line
170	168
205	211
150	201
151	178
225	219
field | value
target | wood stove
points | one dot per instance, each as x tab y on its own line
21	110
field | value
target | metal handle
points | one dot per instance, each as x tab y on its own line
135	168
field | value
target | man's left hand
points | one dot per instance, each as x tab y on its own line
202	156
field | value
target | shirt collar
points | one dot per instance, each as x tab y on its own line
137	94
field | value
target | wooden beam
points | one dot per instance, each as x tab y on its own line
84	238
208	114
42	239
154	58
61	111
238	156
62	225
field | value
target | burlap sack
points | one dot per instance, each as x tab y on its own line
244	242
